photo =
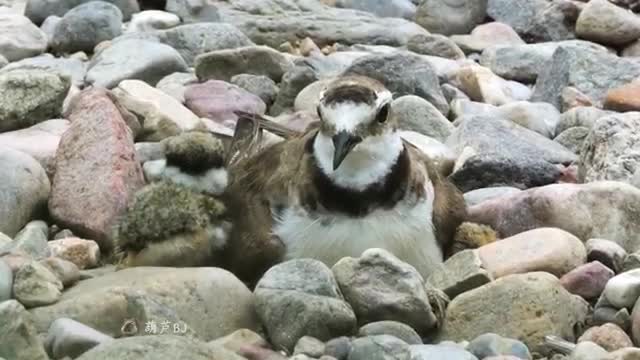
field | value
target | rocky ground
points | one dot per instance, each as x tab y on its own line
534	103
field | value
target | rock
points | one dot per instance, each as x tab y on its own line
255	60
161	115
488	35
610	150
624	354
598	210
572	97
134	60
20	38
16	261
440	352
416	114
49	25
150	20
192	40
106	302
635	323
623	290
460	273
632	50
582	116
30	97
603	22
259	85
609	336
240	339
605	314
435	45
18	337
398	294
175	84
623	98
573	139
25	188
450	17
383	347
338	348
383	8
85	26
293	82
157	347
6	281
193	11
217	100
309	346
588	280
393	328
31	240
542	118
589	71
98	145
85	254
632	261
442	157
534	21
484	86
39	10
527	307
488	345
478	196
588	351
69	67
275	22
489	135
66	271
309	97
607	252
309	286
35	285
67	337
403	73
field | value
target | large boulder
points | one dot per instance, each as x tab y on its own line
97	170
20	37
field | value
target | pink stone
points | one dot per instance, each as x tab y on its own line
85	254
610	336
588	280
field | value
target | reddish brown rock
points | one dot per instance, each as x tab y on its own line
610	336
85	254
217	100
624	98
551	250
97	169
588	280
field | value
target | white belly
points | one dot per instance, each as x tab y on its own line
406	231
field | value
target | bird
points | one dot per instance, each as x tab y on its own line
347	184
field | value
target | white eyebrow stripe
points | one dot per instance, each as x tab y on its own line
347	116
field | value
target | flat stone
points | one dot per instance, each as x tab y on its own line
240	339
18	338
67	337
259	85
460	273
603	22
383	8
293	82
588	280
255	60
573	139
70	67
582	116
175	84
587	350
309	346
193	11
20	37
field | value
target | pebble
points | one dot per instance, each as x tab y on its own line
383	8
259	85
488	345
604	314
399	330
623	290
581	116
35	285
85	254
338	348
483	85
194	11
417	114
20	38
255	60
603	22
610	336
67	337
435	45
293	81
573	139
19	340
588	280
460	273
607	252
309	346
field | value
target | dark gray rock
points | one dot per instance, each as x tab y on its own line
67	337
193	11
591	72
403	73
255	60
85	26
380	347
259	85
134	59
451	17
292	84
399	330
39	10
69	67
435	45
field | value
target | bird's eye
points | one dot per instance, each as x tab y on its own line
383	114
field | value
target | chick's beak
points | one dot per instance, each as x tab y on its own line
343	143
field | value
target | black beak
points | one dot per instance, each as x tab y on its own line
343	143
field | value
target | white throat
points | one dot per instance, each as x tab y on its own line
368	162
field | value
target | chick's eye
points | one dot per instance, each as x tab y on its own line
383	114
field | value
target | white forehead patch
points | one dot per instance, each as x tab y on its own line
346	116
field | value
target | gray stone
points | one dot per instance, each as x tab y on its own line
416	114
435	45
605	314
338	348
157	347
591	72
526	307
607	252
631	262
525	62
542	118
293	82
85	26
240	339
66	271
302	287
18	338
383	8
485	36
255	60
477	196
6	281
587	350
452	93
309	346
612	149
399	330
49	25
31	240
39	10
67	337
451	17
192	40
35	285
134	59
193	11
146	308
398	292
380	347
581	116
24	189
573	139
20	37
176	84
440	352
70	67
460	273
623	290
403	73
30	97
259	85
488	345
603	22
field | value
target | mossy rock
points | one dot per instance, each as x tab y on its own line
195	152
